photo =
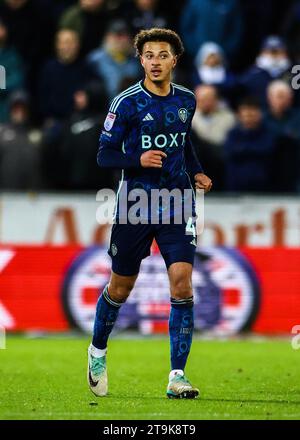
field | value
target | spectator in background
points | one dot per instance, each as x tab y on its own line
219	21
284	121
61	77
80	141
144	14
30	31
56	8
272	63
210	125
114	62
19	148
89	19
260	19
291	30
210	68
14	71
280	112
172	11
249	150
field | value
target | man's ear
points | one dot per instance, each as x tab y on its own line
141	60
175	61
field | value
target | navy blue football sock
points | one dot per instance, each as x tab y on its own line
106	315
181	325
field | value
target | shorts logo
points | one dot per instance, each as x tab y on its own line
114	249
109	121
183	114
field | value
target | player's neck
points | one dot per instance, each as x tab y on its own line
162	88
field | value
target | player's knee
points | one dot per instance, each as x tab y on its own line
181	288
119	291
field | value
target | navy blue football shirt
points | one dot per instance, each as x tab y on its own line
138	121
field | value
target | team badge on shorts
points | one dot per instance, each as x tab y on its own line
109	121
114	249
183	114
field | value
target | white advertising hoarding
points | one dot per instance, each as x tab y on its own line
71	219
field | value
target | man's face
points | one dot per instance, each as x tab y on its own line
145	5
213	60
67	46
91	5
280	100
158	61
16	4
250	117
120	42
276	54
207	100
3	34
81	100
19	113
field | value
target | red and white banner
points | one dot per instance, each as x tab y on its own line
54	288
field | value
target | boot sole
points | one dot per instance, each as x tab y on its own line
192	394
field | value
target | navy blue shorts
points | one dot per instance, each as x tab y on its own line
129	244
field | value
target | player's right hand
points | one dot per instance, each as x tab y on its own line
152	159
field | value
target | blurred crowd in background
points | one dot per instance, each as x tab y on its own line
66	59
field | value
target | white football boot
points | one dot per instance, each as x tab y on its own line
97	374
180	388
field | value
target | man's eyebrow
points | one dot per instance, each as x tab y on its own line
161	51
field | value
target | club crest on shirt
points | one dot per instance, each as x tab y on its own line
114	250
183	114
109	121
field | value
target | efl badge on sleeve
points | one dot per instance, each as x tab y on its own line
109	121
183	114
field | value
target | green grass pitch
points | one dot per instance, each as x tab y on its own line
238	379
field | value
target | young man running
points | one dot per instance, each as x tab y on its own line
146	134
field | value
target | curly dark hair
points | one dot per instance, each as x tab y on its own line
158	34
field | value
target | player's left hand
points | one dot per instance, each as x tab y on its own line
203	182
